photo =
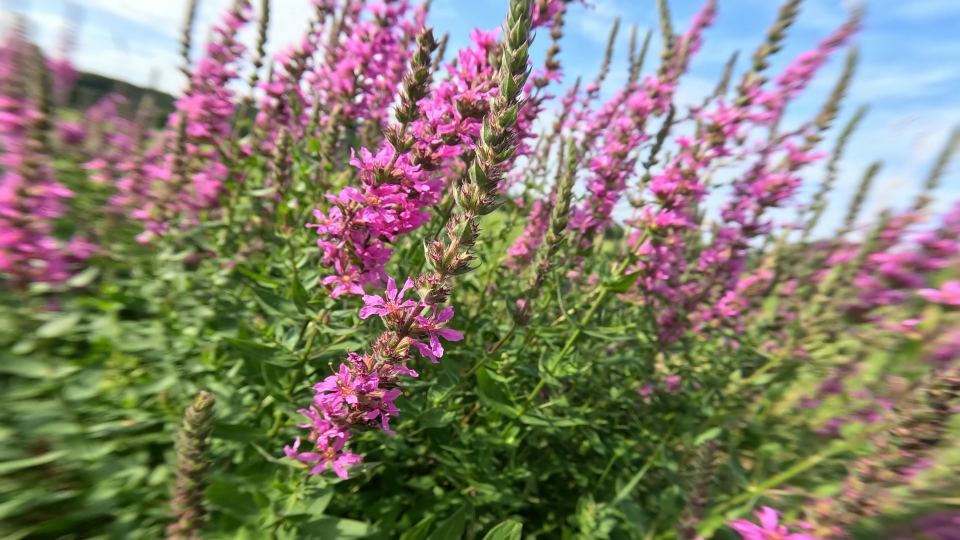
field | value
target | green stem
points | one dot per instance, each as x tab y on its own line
786	475
480	363
570	341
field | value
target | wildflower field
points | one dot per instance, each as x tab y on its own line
372	287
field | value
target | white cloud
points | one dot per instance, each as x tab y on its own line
112	40
594	24
891	81
162	15
150	29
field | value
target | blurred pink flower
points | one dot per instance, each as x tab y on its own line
769	528
948	294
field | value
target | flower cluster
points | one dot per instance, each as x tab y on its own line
364	388
392	200
686	295
31	198
191	175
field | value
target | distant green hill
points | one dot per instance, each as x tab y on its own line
90	87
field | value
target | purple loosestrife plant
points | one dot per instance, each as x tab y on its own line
395	193
31	198
364	388
666	281
597	378
193	445
195	166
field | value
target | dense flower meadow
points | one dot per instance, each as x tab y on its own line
367	287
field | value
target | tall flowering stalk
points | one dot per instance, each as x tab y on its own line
196	165
615	157
363	390
193	445
368	63
355	234
111	144
525	247
554	238
521	253
63	74
31	198
394	193
891	274
284	92
667	280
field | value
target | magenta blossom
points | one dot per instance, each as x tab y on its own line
769	528
393	306
949	294
385	409
337	391
344	281
433	328
331	453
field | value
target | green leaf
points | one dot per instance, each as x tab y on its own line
59	326
707	435
545	372
7	467
315	502
770	306
608	333
635	516
435	418
910	351
442	384
420	530
260	352
452	527
334	331
275	304
624	494
299	295
233	501
330	528
508	530
622	283
494	395
764	379
84	278
237	433
37	369
535	420
263	192
262	280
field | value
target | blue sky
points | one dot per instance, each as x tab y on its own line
909	71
